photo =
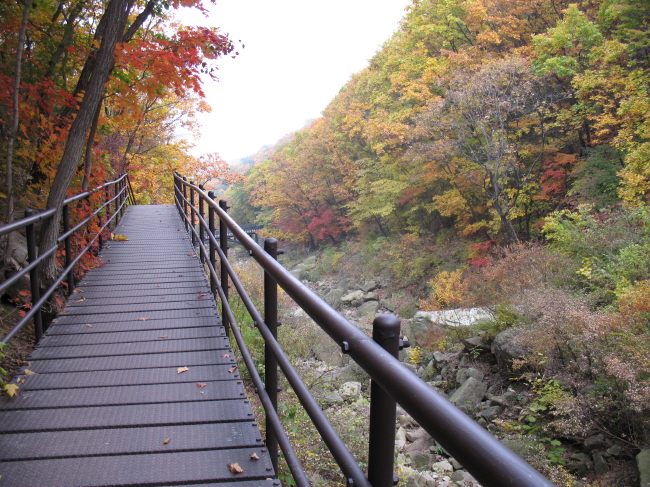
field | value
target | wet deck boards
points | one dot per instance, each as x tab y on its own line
104	404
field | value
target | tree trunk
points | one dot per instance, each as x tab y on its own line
113	22
13	131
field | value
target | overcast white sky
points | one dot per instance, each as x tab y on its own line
298	55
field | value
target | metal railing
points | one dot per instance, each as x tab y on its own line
114	197
480	453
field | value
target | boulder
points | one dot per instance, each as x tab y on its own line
643	464
367	310
350	390
333	298
475	345
354	296
463	374
368	286
422	461
456	317
506	348
469	394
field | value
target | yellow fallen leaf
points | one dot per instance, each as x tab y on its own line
254	456
77	291
29	372
180	370
117	236
165	441
89	325
235	468
11	389
81	300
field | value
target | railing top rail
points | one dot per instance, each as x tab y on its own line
28	220
489	461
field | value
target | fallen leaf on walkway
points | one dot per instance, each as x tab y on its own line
163	336
81	300
11	389
180	370
201	295
117	236
233	369
89	325
225	355
180	275
165	441
235	468
77	291
254	456
201	384
143	319
29	372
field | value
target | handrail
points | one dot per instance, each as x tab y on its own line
489	461
122	195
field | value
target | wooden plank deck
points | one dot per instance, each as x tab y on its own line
106	405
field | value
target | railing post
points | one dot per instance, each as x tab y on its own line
192	213
381	442
107	198
33	276
68	248
201	229
223	243
270	362
213	250
187	228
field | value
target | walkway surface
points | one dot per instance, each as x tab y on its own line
135	382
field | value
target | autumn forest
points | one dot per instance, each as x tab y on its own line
492	153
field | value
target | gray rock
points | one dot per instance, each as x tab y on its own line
367	310
400	434
475	345
522	446
329	398
507	399
439	356
506	348
442	467
299	272
422	461
600	465
469	394
643	464
350	373
456	317
455	463
614	450
368	286
389	304
491	413
350	390
333	298
458	476
463	374
371	297
594	442
353	296
309	261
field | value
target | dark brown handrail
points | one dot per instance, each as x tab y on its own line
489	461
121	197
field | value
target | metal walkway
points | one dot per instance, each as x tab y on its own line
135	382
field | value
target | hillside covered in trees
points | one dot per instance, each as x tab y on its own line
481	116
495	153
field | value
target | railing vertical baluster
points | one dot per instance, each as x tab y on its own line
187	228
270	362
192	214
201	229
213	250
33	276
107	198
68	248
381	443
223	243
